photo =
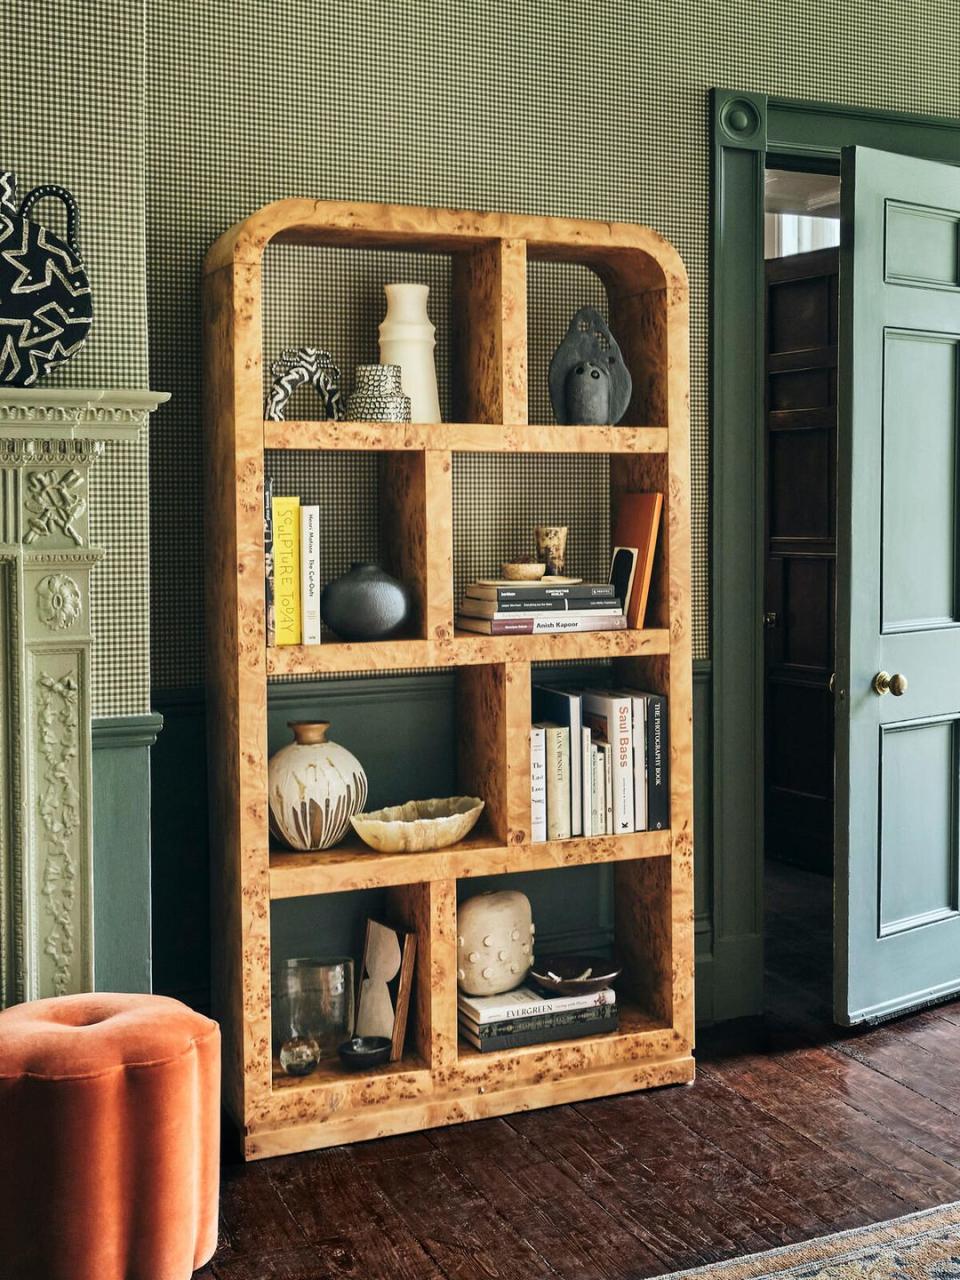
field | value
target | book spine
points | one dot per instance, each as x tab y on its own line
310	573
543	1035
478	608
598	815
521	608
658	770
286	568
608	786
576	591
558	782
268	579
572	621
640	817
498	627
586	780
542	624
612	715
539	1021
493	1010
538	784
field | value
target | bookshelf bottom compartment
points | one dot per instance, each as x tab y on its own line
457	1097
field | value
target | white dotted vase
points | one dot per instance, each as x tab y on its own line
494	942
315	787
407	339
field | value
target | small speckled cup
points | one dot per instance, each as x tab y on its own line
551	547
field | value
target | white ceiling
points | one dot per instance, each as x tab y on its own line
814	194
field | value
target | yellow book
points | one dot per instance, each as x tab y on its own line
286	569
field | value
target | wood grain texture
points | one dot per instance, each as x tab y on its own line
351	865
794	1129
439	1081
236	684
488	308
482	756
403	528
464	649
463	437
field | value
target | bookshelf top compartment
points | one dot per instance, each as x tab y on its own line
618	251
642	274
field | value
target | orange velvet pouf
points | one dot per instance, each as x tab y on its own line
109	1139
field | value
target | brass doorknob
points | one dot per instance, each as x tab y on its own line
883	682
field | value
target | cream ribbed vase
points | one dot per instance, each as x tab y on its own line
407	339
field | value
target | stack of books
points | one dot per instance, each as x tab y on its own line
291	541
497	607
525	1016
598	763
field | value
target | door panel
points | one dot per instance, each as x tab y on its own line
921	245
918	878
801	483
919	554
897	777
801	421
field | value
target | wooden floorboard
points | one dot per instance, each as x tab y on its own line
794	1129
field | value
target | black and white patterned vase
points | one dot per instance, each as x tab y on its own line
378	396
46	307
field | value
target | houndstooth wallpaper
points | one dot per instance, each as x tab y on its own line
554	107
71	106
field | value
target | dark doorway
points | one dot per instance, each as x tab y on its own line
800	418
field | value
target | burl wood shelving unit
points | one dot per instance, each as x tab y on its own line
441	1080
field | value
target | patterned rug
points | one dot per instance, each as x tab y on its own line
921	1246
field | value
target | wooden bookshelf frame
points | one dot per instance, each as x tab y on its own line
440	1081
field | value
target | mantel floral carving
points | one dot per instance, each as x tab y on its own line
59	601
58	730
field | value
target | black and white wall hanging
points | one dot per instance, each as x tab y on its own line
46	307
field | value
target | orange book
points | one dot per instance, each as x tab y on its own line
637	526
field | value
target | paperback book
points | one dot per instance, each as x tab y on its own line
537	1021
563	706
268	582
604	1021
538	784
545	623
310	573
549	589
526	1002
610	716
596	606
286	569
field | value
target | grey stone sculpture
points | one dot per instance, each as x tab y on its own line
295	368
589	383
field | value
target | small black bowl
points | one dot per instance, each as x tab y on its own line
364	1051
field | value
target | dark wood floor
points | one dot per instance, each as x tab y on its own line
793	1129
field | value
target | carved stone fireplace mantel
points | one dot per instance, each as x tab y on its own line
49	439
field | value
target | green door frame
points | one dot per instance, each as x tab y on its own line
747	128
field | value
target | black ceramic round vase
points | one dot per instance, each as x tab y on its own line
365	604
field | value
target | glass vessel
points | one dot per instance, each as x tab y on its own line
314	1011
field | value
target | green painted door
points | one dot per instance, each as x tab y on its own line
898	605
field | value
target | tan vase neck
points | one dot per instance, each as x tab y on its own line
309	732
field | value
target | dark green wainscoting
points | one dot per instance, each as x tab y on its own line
403	729
121	851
